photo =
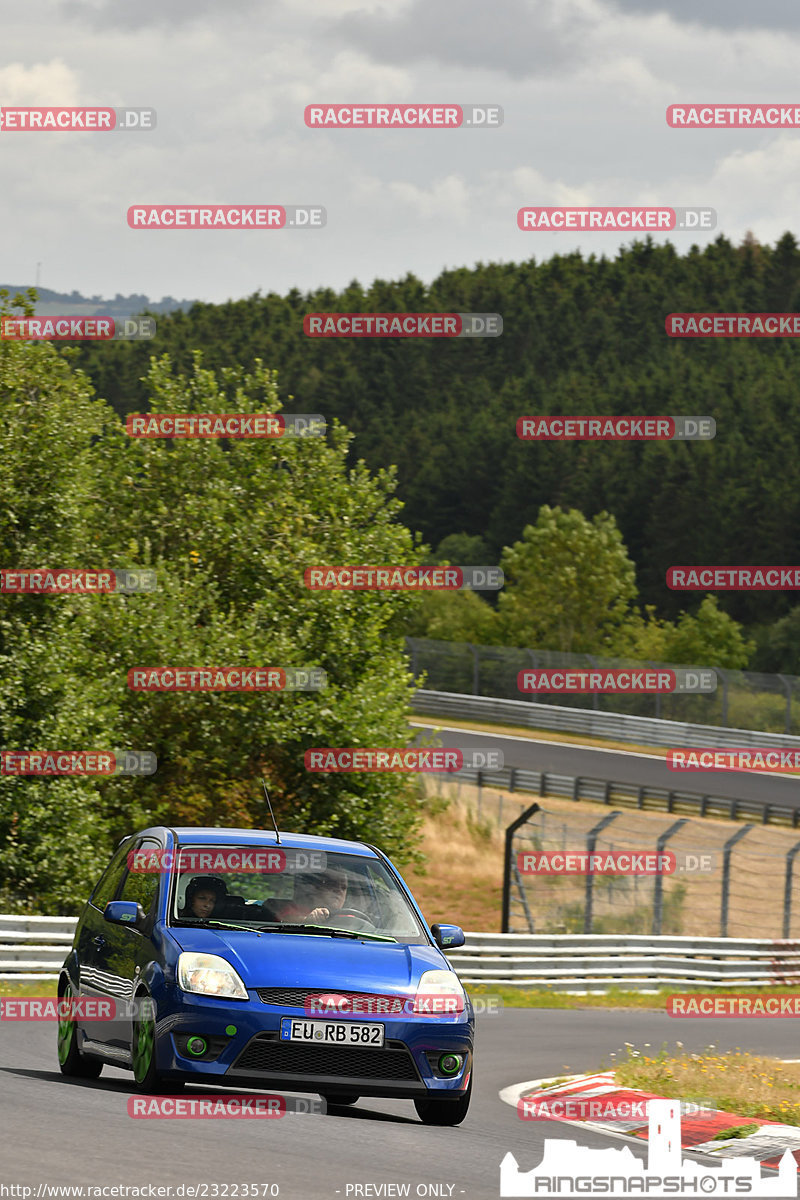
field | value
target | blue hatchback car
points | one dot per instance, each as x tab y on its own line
231	958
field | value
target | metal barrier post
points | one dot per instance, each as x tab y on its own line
512	829
787	889
726	876
591	842
658	887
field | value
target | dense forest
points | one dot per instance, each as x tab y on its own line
581	336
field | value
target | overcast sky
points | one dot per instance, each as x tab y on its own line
584	85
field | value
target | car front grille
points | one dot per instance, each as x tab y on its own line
270	1056
297	997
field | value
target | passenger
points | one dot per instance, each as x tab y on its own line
204	894
316	897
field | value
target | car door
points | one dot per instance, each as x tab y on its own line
127	950
93	939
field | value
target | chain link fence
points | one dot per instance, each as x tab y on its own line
743	699
742	882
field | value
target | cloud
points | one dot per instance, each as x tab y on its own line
518	38
142	14
722	14
52	83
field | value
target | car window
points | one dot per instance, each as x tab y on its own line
106	887
350	892
142	886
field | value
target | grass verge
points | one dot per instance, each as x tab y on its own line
749	1085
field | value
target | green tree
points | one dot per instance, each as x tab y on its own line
569	583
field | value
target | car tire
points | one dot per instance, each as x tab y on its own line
143	1054
444	1112
338	1098
70	1059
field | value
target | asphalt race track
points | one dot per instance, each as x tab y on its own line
593	762
59	1131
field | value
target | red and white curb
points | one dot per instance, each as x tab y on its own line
766	1144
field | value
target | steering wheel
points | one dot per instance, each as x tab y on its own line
353	912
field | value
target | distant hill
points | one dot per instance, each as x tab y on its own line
71	304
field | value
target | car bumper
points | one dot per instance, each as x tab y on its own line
248	1052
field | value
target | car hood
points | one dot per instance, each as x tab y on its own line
302	960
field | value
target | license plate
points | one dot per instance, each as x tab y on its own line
331	1033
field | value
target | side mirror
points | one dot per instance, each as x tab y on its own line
125	912
448	937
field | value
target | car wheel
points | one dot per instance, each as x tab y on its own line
70	1059
444	1112
337	1098
143	1051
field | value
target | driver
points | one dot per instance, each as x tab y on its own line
316	897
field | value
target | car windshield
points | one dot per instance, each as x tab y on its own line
275	889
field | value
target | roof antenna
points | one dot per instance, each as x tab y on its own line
271	813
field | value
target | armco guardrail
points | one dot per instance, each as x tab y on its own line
642	731
34	947
597	962
630	795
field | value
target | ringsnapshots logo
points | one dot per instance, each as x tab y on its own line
555	218
227	679
225	425
402	325
227	216
231	1107
340	759
732	325
403	579
77	329
613	862
564	428
567	1169
403	116
733	116
75	120
241	859
617	680
43	582
734	759
78	762
733	579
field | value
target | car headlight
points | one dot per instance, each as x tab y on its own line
439	992
209	975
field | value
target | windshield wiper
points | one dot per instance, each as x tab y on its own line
330	931
203	924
